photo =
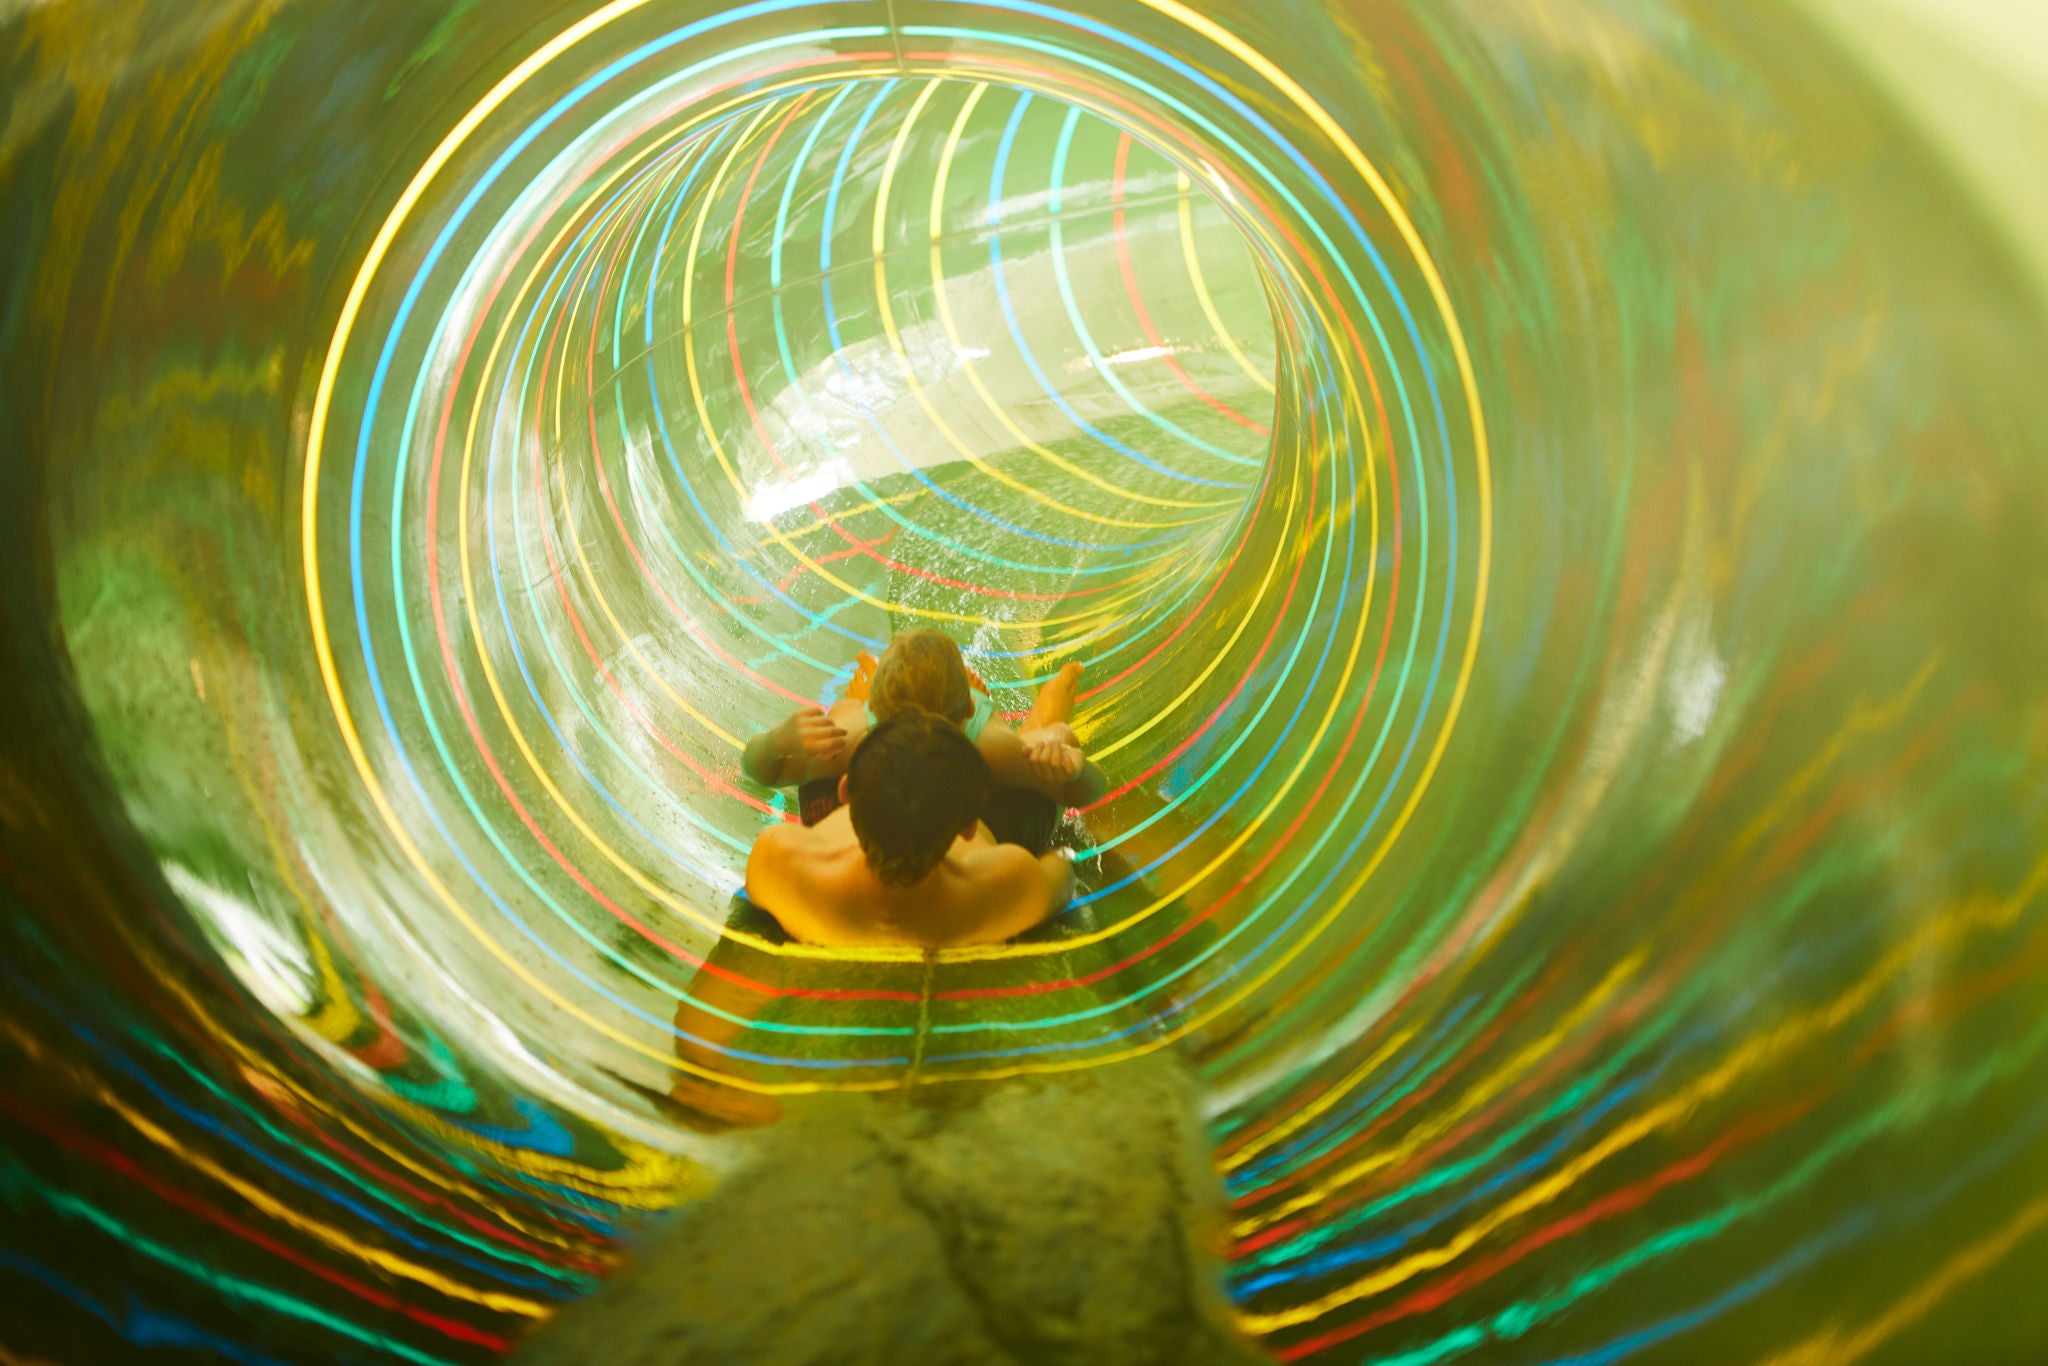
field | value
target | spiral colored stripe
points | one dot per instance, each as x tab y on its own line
654	202
1544	499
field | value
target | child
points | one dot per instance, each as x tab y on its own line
1039	768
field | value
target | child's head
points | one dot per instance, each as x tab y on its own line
921	669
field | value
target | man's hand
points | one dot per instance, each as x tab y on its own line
1053	753
813	738
789	751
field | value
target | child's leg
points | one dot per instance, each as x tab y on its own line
1055	699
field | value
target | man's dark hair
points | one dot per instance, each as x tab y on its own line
912	786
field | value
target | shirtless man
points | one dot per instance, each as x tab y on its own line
905	858
895	853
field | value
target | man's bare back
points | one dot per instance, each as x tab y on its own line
905	861
816	881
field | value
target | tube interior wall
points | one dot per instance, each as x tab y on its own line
1547	500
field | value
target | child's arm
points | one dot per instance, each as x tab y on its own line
1050	749
808	744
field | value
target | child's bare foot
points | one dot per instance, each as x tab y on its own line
1055	698
863	677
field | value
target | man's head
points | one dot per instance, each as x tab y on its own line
913	786
921	669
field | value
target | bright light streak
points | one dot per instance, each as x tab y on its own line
771	500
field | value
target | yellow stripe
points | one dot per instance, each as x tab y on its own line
1391	205
324	1234
707	921
624	637
659	1173
1001	413
895	337
1293	1123
1202	296
725	463
1830	1347
1442	1120
310	526
967	365
1755	1052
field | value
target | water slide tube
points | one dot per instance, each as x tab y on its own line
1548	499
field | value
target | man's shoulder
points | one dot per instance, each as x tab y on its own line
784	845
779	836
791	872
1001	860
1009	869
1009	891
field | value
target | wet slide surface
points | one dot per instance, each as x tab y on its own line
1548	500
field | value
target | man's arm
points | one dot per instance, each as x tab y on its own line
717	1008
1047	762
1046	888
768	872
1052	755
1086	787
714	1012
777	880
1022	892
1057	868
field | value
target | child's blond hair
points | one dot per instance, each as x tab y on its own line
922	669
